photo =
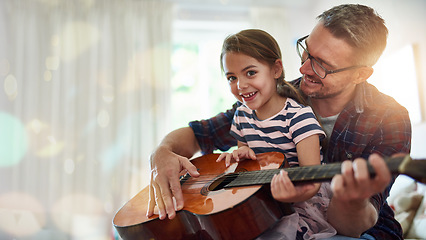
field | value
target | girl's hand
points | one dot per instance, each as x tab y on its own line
243	152
283	189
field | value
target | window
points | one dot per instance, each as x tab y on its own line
395	75
199	88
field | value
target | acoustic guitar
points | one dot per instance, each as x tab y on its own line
232	202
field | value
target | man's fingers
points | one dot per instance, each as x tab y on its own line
337	186
159	201
163	194
172	196
348	174
176	191
168	189
341	182
362	178
169	205
165	201
383	175
191	168
151	201
355	182
360	169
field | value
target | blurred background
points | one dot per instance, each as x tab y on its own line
90	87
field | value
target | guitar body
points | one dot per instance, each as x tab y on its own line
237	213
233	202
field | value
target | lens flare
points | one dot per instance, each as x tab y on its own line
80	215
13	140
21	214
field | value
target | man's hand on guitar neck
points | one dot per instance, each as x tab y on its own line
165	185
351	211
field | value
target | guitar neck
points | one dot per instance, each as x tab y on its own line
319	173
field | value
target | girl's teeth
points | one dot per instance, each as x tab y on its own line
249	95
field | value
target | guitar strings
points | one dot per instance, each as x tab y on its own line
305	173
318	172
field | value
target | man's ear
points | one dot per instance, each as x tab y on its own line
278	68
363	74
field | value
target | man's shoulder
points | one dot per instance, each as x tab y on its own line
379	100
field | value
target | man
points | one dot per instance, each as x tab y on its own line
360	122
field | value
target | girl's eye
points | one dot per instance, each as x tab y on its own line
231	79
251	73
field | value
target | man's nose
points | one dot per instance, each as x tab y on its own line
306	67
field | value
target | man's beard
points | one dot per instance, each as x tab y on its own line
323	93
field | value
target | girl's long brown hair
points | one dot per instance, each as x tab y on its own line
263	47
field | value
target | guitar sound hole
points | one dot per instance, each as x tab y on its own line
220	183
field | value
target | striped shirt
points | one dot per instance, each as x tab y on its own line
280	132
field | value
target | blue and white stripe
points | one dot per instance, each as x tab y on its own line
280	132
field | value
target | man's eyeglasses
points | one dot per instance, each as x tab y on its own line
319	69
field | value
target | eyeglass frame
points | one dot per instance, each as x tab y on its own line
327	72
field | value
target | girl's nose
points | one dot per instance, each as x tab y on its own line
241	83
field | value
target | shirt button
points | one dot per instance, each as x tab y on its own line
349	156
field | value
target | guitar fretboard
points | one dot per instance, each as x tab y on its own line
315	173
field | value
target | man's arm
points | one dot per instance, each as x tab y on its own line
181	141
171	157
167	161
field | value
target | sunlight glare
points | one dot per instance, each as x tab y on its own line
395	75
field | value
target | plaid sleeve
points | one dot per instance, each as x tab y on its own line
393	136
213	133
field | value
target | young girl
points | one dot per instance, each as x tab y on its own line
273	117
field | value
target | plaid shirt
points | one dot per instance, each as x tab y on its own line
371	123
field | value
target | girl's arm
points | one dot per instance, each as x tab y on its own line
308	152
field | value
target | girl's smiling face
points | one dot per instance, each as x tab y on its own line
253	82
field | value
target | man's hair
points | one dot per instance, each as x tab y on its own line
361	27
263	47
